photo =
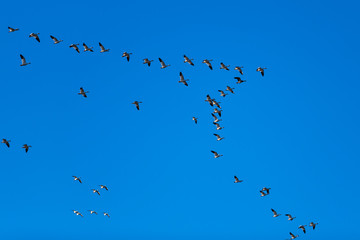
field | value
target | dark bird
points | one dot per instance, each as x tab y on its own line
293	236
218	127
275	213
147	61
183	80
216	155
96	191
127	55
103	49
188	60
75	46
209	100
239	80
104	187
137	105
313	225
82	92
215	118
223	66
56	41
267	190
216	103
290	218
35	35
237	180
195	119
261	70
263	194
239	69
7	142
78	213
13	29
207	62
218	138
229	89
23	61
163	65
86	48
26	147
218	111
222	93
77	179
302	227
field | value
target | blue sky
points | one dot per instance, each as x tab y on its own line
295	130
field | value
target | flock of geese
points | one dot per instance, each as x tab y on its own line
216	114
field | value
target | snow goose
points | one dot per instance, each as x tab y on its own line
23	61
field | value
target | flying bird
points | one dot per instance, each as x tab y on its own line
86	48
77	213
261	70
275	213
216	155
267	190
127	55
239	69
293	236
216	103
104	187
77	179
215	118
313	225
56	41
183	80
229	89
23	61
195	119
26	147
209	100
7	142
237	180
35	35
208	62
137	105
13	29
263	194
218	138
92	212
218	127
106	214
163	65
188	60
223	66
217	111
96	191
222	93
147	61
82	92
103	49
290	218
75	46
302	227
239	80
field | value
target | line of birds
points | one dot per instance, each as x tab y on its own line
217	111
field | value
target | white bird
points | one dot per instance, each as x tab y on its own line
74	46
290	218
92	212
13	29
127	55
23	61
218	127
261	70
104	187
183	80
218	137
7	142
223	66
237	180
293	236
218	111
208	62
103	49
229	89
216	155
96	191
147	61
275	213
137	105
26	147
313	225
222	93
188	60
35	35
82	92
302	227
239	80
163	65
215	118
195	119
56	41
86	48
77	179
239	69
106	214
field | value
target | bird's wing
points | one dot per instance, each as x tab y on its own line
181	77
101	46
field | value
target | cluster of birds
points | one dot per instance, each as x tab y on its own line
216	114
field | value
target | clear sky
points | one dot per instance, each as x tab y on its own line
295	130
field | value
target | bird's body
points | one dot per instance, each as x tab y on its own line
23	61
83	93
208	63
275	213
75	46
147	61
87	49
127	55
7	142
223	66
103	49
26	147
237	180
13	29
261	70
56	41
77	179
239	80
188	60
137	104
195	119
35	35
183	80
163	65
216	155
239	69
